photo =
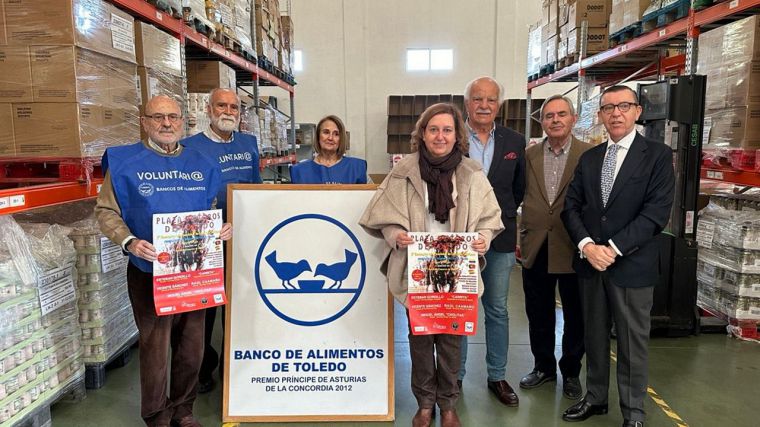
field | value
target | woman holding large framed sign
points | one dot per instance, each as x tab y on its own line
436	189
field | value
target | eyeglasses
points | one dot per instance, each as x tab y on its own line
159	118
623	107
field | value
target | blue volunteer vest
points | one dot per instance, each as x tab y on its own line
239	160
349	170
147	183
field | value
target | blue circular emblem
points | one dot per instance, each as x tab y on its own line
310	269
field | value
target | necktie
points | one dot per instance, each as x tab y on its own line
608	171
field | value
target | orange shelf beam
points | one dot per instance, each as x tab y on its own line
25	198
748	178
274	161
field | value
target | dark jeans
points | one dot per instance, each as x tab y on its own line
211	358
539	286
435	369
183	333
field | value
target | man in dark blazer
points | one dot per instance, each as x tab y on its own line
547	251
618	201
501	152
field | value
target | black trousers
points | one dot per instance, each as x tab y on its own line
539	286
211	358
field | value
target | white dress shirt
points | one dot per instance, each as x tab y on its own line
624	145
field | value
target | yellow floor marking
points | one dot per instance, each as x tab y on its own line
660	402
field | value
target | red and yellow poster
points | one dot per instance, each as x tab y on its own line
443	283
188	273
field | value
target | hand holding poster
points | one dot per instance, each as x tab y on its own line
443	283
188	273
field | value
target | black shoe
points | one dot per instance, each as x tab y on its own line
629	423
571	388
582	410
536	378
205	386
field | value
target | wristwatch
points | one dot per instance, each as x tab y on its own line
129	242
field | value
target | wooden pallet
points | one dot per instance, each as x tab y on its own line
567	61
626	34
666	15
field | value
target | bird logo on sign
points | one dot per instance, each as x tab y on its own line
296	291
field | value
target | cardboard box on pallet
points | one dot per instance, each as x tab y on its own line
549	19
73	74
596	41
633	11
734	127
157	49
15	74
7	142
534	50
286	32
617	16
551	50
152	82
202	76
70	129
244	25
92	24
596	12
3	35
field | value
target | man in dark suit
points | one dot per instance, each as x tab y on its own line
501	152
547	251
618	201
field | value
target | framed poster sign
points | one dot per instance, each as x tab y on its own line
309	327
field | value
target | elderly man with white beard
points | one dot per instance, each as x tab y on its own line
238	157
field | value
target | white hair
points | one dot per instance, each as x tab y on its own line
215	90
468	88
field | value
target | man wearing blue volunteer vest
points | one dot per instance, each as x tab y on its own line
238	157
142	179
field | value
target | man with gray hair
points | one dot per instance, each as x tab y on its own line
501	152
547	251
238	157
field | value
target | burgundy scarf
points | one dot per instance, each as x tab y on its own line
437	172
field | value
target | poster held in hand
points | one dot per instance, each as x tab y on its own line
443	283
188	273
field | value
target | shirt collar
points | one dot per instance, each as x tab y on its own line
160	149
627	140
472	132
565	147
216	138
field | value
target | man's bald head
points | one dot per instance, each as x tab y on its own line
163	120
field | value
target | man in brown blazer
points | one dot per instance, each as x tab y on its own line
547	251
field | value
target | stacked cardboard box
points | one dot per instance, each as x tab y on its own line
730	58
634	10
617	16
595	13
68	78
203	76
549	28
287	43
267	29
243	14
534	49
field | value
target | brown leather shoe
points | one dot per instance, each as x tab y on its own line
504	392
423	417
187	421
449	418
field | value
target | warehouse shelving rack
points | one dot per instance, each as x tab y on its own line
86	185
639	58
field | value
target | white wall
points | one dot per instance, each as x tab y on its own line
354	54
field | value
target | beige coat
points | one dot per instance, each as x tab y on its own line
540	220
399	205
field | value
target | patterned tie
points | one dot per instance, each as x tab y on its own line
608	171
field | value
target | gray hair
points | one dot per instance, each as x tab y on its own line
468	88
217	89
554	98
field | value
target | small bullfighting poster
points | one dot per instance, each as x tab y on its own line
443	283
309	328
188	273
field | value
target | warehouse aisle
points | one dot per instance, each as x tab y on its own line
708	380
